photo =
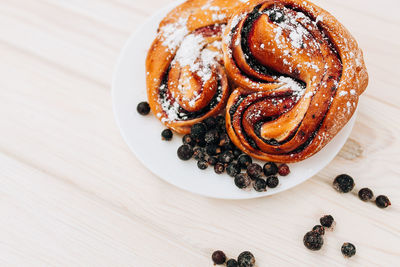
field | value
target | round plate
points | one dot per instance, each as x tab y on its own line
143	133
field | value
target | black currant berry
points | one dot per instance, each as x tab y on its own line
185	152
343	183
244	161
326	221
313	240
254	171
283	170
236	152
143	108
382	202
188	140
246	259
226	157
212	149
210	123
199	153
272	181
319	229
201	142
166	135
270	168
198	130
212	161
219	168
202	164
212	137
218	257
233	169
260	185
242	180
365	194
348	250
232	263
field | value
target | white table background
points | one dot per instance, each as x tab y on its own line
72	194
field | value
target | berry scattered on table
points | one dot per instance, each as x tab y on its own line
319	229
365	194
343	183
232	263
246	259
327	221
382	201
270	168
313	240
143	108
348	250
218	257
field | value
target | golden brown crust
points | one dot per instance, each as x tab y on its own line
186	86
299	78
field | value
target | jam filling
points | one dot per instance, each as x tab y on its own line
258	67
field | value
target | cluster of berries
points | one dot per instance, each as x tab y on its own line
314	240
345	183
245	259
210	145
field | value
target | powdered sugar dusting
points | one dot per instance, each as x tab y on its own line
199	60
297	89
174	33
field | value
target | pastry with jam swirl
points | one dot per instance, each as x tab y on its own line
186	79
299	74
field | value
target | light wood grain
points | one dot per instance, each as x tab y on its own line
72	194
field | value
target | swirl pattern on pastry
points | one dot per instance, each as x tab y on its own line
300	74
186	79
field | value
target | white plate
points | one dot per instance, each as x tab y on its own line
142	133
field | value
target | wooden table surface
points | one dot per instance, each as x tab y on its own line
72	194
